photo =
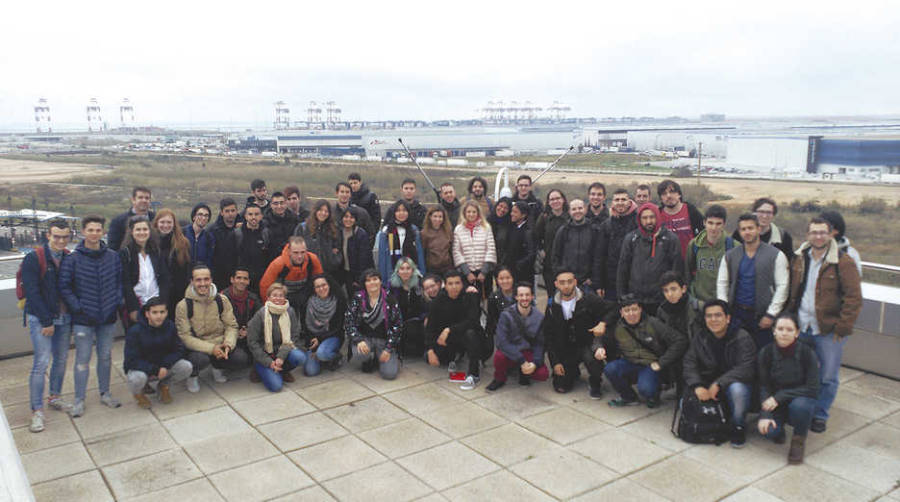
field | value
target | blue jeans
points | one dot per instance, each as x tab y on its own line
622	373
326	351
829	353
797	412
45	347
272	379
738	396
85	336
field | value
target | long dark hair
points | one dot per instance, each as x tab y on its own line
391	222
152	245
328	226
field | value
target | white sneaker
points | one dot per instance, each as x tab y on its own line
110	401
58	404
470	383
193	384
219	375
37	421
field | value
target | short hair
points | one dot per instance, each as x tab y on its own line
522	207
716	303
789	316
716	211
484	183
198	207
252	206
227	201
276	285
354	176
337	187
407	181
837	222
92	218
200	266
562	271
240	268
278	194
291	190
764	200
669	277
433	277
58	223
257	183
446	184
666	185
140	188
818	220
642	186
748	217
599	185
524	284
621	190
524	177
296	239
152	302
629	299
453	273
369	273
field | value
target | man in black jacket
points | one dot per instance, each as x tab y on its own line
295	202
646	348
453	328
280	222
519	250
574	246
597	212
252	245
647	253
525	194
140	204
224	254
610	235
258	193
364	198
722	357
416	210
570	325
447	199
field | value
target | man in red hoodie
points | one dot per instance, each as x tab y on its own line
647	253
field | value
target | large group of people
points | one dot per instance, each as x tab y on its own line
648	296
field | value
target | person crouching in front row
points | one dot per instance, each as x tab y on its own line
520	341
273	337
153	351
373	324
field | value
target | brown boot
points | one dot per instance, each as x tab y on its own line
164	396
142	401
287	377
795	454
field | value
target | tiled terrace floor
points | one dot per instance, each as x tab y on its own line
351	436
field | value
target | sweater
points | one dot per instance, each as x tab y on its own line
148	349
90	282
512	341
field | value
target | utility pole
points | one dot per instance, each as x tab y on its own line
699	156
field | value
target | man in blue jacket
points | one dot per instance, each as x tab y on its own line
90	282
48	320
203	242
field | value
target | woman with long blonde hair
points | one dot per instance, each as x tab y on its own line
176	250
474	252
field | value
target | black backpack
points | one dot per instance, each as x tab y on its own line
700	422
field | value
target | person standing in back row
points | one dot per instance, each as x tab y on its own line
681	217
364	198
524	193
765	210
140	205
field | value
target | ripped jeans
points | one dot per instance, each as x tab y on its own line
84	337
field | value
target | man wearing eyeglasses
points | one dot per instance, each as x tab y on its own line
826	294
526	195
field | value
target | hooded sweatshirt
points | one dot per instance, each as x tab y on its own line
207	328
645	257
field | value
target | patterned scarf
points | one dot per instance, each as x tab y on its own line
319	313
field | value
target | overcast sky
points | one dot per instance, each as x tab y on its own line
193	62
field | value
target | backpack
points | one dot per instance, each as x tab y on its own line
42	265
700	422
189	303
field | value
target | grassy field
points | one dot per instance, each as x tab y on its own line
180	181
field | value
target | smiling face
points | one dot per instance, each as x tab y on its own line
448	193
765	213
401	214
436	219
323	213
620	203
576	210
165	225
818	235
277	296
240	281
501	209
348	220
597	197
373	285
523	188
471	214
355	185
201	281
516	215
631	313
93	232
320	285
716	320
141	202
431	287
343	195
505	281
555	200
524	297
58	238
477	189
140	232
405	272
279	205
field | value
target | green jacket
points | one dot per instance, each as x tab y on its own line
701	265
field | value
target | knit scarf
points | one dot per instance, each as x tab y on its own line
319	312
471	226
373	316
284	325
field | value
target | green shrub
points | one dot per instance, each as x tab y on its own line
872	205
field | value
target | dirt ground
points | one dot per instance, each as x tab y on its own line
30	171
745	191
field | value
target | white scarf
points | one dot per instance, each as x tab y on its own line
284	325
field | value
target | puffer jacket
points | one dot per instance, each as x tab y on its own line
573	249
474	250
42	296
256	337
701	368
148	349
645	257
90	281
207	328
838	290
